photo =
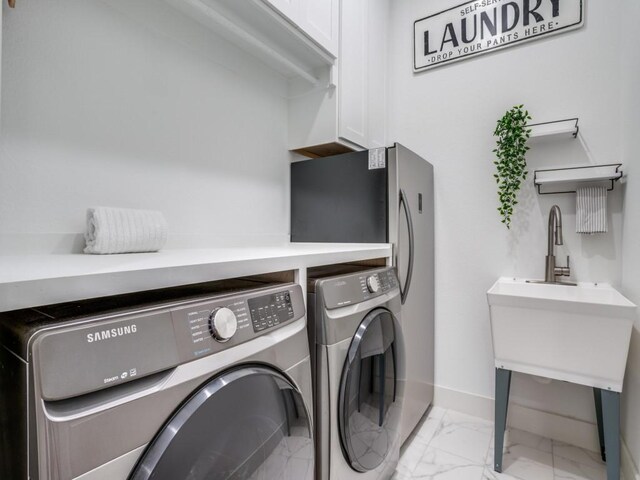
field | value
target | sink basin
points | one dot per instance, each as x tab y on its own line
578	334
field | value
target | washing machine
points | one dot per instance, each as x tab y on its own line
177	385
357	350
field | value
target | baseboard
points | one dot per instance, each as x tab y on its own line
628	467
557	427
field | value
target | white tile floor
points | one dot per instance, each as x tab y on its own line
448	445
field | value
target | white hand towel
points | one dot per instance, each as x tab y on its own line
122	230
591	209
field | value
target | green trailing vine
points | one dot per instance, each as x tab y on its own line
511	147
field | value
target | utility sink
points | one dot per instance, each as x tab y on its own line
578	334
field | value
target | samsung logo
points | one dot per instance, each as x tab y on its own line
111	333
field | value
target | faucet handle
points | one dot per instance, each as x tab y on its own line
563	271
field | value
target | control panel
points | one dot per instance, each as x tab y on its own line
378	282
129	347
270	310
220	322
205	328
358	287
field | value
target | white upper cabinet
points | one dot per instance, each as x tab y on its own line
377	72
319	19
363	72
353	65
288	8
276	32
351	112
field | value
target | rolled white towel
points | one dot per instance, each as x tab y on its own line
123	230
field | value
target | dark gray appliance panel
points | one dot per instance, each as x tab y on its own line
242	424
369	418
339	199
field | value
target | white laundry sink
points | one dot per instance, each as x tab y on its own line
578	334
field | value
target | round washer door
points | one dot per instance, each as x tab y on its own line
369	412
247	423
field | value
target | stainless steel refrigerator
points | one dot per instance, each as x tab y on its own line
381	195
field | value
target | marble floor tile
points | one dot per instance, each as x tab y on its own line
439	465
426	429
400	476
460	440
453	446
436	412
576	454
489	474
514	437
458	419
410	456
524	463
570	470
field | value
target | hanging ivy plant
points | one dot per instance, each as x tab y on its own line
511	147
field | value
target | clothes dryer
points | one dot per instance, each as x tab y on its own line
357	350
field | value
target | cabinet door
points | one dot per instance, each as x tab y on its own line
320	19
288	8
377	72
353	65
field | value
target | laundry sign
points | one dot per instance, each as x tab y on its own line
482	26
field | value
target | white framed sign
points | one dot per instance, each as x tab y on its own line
482	26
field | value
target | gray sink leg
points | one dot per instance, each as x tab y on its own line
611	427
597	396
503	385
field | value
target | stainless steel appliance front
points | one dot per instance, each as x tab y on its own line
346	198
152	393
355	327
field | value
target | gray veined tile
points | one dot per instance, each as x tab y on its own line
436	412
467	421
471	444
440	465
514	437
570	470
410	456
489	474
522	463
577	454
427	429
400	476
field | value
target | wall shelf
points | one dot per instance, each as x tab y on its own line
566	180
555	129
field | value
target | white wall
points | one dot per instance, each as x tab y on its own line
448	114
127	103
630	76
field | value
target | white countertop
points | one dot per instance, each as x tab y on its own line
32	280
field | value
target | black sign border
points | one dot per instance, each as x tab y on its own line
422	69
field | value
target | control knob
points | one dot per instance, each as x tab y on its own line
373	284
223	324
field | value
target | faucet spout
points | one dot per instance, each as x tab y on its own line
555	229
554	236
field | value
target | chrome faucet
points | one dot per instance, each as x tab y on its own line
554	236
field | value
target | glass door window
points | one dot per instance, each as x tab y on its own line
369	412
249	423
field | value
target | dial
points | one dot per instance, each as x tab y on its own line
223	324
373	284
